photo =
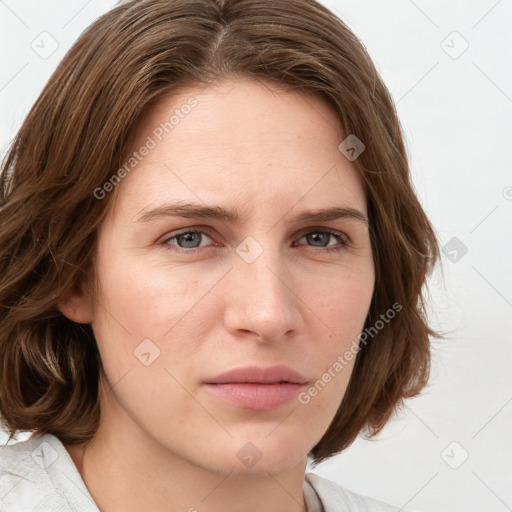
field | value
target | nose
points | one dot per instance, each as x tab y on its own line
261	301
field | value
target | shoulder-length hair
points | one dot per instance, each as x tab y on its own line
72	142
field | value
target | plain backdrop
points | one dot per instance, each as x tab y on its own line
447	65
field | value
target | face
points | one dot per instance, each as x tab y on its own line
188	294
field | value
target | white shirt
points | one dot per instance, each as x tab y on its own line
38	475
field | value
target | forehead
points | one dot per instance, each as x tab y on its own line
243	141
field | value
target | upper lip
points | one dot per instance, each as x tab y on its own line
259	375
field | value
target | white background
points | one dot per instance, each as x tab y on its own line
456	111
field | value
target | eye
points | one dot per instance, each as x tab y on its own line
321	239
190	239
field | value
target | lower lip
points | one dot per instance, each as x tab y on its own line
260	397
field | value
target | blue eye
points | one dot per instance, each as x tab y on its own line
324	236
189	241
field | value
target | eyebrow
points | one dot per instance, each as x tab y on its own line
197	211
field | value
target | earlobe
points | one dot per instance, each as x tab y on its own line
77	307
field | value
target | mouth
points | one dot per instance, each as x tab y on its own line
257	388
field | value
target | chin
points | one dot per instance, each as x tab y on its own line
259	455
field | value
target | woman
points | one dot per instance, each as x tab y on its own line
212	264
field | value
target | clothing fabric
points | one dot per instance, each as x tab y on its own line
38	475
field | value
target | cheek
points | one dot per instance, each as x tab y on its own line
342	302
148	330
342	307
149	297
167	305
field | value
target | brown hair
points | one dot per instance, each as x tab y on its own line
72	142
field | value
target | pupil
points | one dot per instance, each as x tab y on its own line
319	236
189	239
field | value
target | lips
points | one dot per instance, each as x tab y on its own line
257	388
259	375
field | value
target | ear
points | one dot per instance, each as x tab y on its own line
77	306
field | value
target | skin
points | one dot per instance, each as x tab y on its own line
165	442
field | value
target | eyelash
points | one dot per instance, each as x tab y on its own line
340	237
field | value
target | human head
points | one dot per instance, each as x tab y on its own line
86	121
